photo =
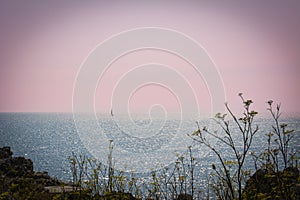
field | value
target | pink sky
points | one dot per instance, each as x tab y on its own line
255	45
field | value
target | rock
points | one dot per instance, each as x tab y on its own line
184	197
16	166
59	189
269	185
19	179
5	153
43	175
118	195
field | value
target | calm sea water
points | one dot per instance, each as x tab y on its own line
49	139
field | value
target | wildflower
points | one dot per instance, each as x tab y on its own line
248	102
252	113
283	125
196	133
213	166
270	102
269	134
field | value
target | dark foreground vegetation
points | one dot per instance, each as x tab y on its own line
276	174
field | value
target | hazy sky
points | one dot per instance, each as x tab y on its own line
254	44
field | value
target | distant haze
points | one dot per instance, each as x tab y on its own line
255	46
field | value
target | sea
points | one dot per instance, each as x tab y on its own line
50	139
